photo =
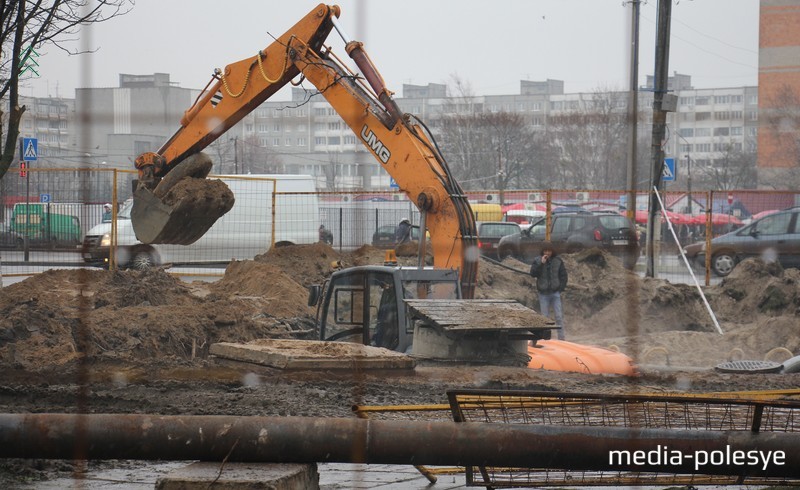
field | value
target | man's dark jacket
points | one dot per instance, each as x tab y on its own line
550	276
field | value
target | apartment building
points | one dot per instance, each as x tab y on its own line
50	120
779	90
305	135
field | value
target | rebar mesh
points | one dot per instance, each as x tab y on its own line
758	412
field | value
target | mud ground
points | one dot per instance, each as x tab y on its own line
137	342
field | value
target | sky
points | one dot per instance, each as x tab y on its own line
488	45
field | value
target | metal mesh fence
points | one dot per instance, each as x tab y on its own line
55	218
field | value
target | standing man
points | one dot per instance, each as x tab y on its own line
551	279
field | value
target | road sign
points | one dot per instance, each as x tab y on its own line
29	62
44	198
393	184
30	149
669	170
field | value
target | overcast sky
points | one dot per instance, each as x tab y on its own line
491	45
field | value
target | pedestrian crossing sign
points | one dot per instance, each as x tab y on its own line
29	148
668	174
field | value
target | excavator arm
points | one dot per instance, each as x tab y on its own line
402	145
234	92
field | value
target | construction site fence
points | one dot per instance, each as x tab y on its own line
743	412
54	210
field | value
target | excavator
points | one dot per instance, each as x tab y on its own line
426	311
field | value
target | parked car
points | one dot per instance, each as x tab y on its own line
10	238
384	236
571	232
773	237
47	224
490	233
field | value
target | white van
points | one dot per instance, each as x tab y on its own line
244	232
524	216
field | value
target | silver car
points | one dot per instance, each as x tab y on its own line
773	237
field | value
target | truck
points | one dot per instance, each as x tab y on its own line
354	301
244	232
45	224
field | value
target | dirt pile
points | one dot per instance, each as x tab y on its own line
607	300
756	307
756	289
48	320
211	195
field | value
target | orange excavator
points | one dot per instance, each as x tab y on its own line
407	309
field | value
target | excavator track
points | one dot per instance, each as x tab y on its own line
183	206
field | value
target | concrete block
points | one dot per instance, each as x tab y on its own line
240	476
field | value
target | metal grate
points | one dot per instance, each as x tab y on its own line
765	412
746	366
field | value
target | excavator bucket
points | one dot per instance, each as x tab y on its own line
183	207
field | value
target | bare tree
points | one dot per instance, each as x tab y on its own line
221	153
259	159
27	26
591	136
490	149
733	170
332	171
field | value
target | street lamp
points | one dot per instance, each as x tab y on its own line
501	173
689	183
688	173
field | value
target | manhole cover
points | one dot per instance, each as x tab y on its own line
749	367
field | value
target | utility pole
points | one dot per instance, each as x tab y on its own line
501	175
633	117
236	155
660	84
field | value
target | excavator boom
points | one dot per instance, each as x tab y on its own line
181	209
396	140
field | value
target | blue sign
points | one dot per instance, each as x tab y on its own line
669	170
44	198
29	149
393	184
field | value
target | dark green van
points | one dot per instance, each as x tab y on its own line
42	226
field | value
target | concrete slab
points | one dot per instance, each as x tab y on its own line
235	476
472	316
312	354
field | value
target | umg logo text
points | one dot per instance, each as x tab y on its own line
375	144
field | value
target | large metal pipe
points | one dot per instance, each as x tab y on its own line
306	440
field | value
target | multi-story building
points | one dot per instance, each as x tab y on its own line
712	123
779	90
50	121
118	123
305	134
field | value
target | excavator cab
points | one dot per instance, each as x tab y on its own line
366	304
